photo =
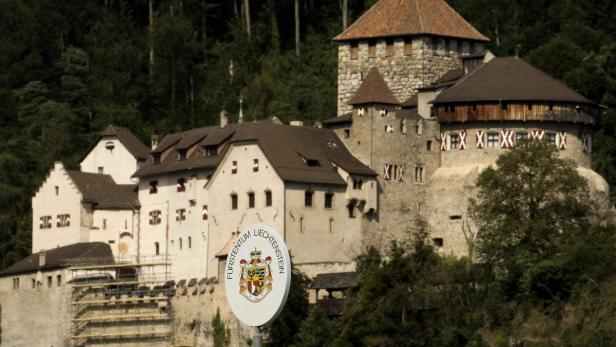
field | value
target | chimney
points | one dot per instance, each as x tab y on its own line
42	258
296	123
224	118
154	141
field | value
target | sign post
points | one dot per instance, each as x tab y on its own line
257	277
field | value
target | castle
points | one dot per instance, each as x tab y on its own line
423	108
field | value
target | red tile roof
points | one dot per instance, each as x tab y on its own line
389	18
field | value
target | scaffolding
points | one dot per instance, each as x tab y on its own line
121	302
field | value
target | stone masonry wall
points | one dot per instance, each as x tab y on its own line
429	59
401	199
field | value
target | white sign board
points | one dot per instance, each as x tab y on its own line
257	275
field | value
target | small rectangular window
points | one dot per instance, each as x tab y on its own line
57	190
351	208
156	248
234	201
255	165
493	140
104	223
419	174
153	187
408	46
181	244
155	217
268	198
234	167
63	220
550	138
358	183
180	214
354	50
389	47
100	169
329	200
33	283
189	242
521	135
251	200
49	281
347	133
181	185
58	280
45	222
16	283
308	198
429	145
372	49
438	242
454	141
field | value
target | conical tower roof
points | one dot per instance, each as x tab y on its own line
374	90
389	18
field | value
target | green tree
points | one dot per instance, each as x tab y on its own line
317	330
221	334
283	330
528	209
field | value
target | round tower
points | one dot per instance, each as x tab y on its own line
486	113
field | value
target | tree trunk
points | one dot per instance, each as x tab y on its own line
247	13
297	27
345	14
203	24
151	32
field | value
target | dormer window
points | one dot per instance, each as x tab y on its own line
210	151
312	163
109	145
358	183
182	154
181	185
156	158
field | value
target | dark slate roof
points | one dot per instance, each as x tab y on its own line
373	90
338	280
128	139
61	257
510	79
389	18
284	146
411	102
102	190
344	119
448	79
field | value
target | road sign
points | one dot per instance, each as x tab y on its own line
257	275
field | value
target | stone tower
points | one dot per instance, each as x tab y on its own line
412	42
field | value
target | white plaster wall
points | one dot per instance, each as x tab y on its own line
310	240
118	163
68	201
223	221
187	262
119	232
35	317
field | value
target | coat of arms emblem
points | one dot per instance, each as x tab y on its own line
256	276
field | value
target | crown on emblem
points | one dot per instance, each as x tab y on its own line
256	253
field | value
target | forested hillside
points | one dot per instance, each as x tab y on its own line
69	68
